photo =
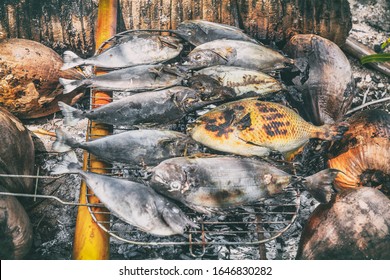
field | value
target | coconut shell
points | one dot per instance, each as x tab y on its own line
15	228
16	154
363	155
29	73
324	78
354	225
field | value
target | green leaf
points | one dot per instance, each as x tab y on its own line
380	57
385	44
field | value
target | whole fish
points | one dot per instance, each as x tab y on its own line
135	79
130	50
134	203
242	80
144	147
236	53
153	107
251	127
209	183
198	32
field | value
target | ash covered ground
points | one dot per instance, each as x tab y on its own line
54	224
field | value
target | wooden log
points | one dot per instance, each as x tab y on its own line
71	24
355	225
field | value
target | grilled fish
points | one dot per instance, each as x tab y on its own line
130	50
236	53
134	203
210	183
144	147
251	127
242	80
154	107
135	79
198	32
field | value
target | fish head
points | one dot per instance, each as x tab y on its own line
276	183
191	32
200	58
210	89
170	179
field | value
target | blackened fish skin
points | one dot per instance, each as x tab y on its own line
210	183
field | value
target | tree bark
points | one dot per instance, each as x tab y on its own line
62	24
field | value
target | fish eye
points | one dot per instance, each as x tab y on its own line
198	56
189	33
175	186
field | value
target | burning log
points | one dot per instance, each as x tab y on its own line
324	79
29	73
354	225
64	25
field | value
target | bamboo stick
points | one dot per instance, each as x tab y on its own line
91	242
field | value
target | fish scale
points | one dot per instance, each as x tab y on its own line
251	127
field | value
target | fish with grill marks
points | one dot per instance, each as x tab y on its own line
132	202
209	184
251	127
152	108
245	82
236	53
199	31
130	50
137	148
132	79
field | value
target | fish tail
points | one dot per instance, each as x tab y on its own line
71	60
331	132
71	115
71	85
68	165
320	184
64	142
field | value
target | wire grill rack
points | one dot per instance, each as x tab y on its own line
247	225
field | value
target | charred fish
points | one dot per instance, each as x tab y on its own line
211	183
134	203
245	82
198	32
153	107
236	53
138	148
251	127
130	50
134	79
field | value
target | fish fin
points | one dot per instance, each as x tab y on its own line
71	85
332	132
68	165
320	184
71	60
64	142
71	115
